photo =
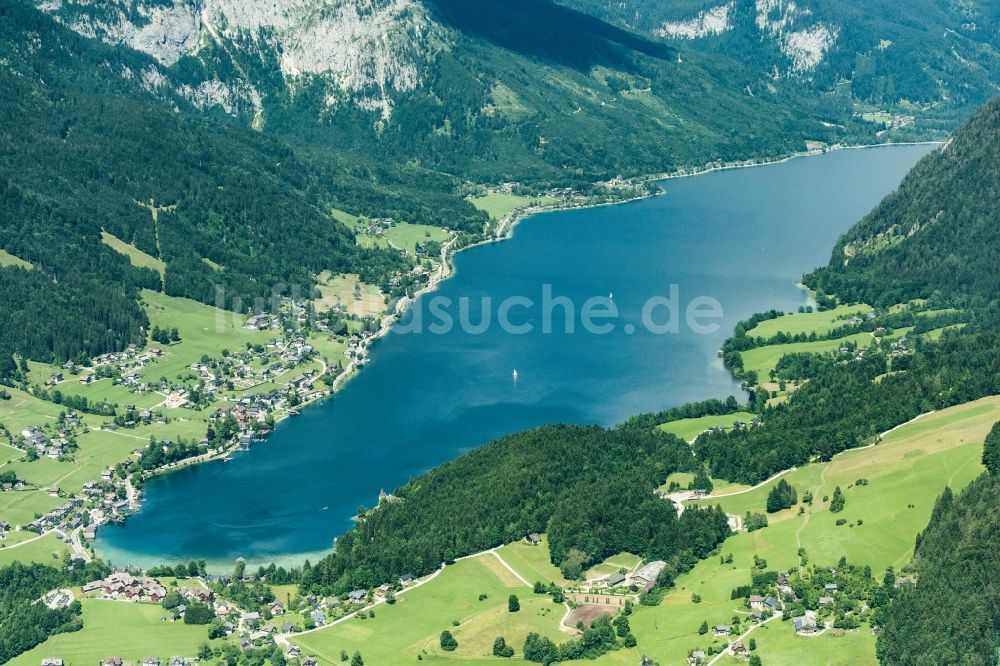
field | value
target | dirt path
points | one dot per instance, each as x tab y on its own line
743	637
508	567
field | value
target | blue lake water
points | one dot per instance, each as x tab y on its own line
741	237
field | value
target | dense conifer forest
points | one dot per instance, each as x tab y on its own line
951	615
936	236
592	489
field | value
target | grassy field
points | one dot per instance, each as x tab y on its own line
347	219
498	205
23	410
46	550
682	479
689	429
412	626
809	322
778	645
136	256
116	394
764	359
613	565
910	467
130	631
533	562
7	259
204	330
340	289
406	236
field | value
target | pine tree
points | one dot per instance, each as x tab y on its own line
837	503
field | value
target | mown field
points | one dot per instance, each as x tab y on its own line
911	466
406	236
689	429
808	322
127	630
498	205
411	628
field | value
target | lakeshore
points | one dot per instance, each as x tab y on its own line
395	457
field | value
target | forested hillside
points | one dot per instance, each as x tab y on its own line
952	614
932	59
526	91
590	488
236	209
936	236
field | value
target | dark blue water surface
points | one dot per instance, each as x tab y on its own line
742	237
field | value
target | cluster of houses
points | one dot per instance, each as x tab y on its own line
760	605
901	347
123	586
66	515
34	438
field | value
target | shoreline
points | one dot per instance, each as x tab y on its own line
510	221
504	231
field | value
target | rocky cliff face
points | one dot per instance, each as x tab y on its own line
365	50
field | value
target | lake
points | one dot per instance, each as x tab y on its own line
728	243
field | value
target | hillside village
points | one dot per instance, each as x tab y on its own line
219	403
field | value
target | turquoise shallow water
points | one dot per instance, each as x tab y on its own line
741	237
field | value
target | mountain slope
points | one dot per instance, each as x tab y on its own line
936	236
527	91
933	59
240	214
952	614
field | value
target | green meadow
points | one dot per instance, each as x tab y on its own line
8	259
406	236
136	256
911	466
204	330
499	205
778	645
533	562
131	631
808	322
46	550
765	359
412	626
689	429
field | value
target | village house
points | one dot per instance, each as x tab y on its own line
358	596
756	602
534	538
723	630
804	625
